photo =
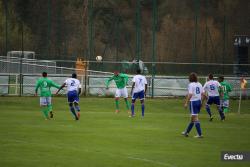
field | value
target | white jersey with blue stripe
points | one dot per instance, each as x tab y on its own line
195	88
212	88
140	82
72	84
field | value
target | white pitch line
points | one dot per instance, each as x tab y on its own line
152	161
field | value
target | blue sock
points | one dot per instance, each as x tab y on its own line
198	127
222	116
77	108
208	110
133	109
73	111
142	109
190	126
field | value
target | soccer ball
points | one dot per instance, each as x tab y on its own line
98	58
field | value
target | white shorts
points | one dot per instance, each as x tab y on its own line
225	103
44	101
121	93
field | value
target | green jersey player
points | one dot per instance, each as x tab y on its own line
121	81
226	88
44	84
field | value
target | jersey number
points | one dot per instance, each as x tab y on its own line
212	87
72	83
197	90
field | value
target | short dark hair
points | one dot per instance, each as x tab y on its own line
44	74
74	75
138	71
210	76
193	77
221	78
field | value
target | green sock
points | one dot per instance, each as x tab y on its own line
127	104
117	104
45	112
49	107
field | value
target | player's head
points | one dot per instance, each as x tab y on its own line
221	78
44	74
74	75
116	73
138	71
210	76
193	77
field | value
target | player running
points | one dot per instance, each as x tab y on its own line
73	91
194	98
212	88
226	88
121	81
138	90
44	84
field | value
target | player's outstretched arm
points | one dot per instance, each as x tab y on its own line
107	82
63	85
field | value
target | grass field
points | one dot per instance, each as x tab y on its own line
102	138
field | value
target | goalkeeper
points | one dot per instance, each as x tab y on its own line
44	84
121	81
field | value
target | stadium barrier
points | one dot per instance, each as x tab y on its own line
93	84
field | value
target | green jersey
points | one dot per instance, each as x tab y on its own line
45	84
226	89
121	80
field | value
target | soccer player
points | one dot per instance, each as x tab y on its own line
212	88
44	84
121	81
138	90
194	100
73	91
226	88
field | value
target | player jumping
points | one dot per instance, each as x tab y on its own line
121	81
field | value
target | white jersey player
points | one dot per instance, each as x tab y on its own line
212	89
138	90
73	91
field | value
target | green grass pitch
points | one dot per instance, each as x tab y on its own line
102	138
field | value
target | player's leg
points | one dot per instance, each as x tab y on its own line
209	102
225	106
72	110
134	97
125	96
133	107
76	104
50	109
117	96
197	125
44	108
194	109
71	96
141	96
219	107
191	123
197	108
77	108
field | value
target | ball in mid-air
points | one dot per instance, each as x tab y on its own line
98	58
